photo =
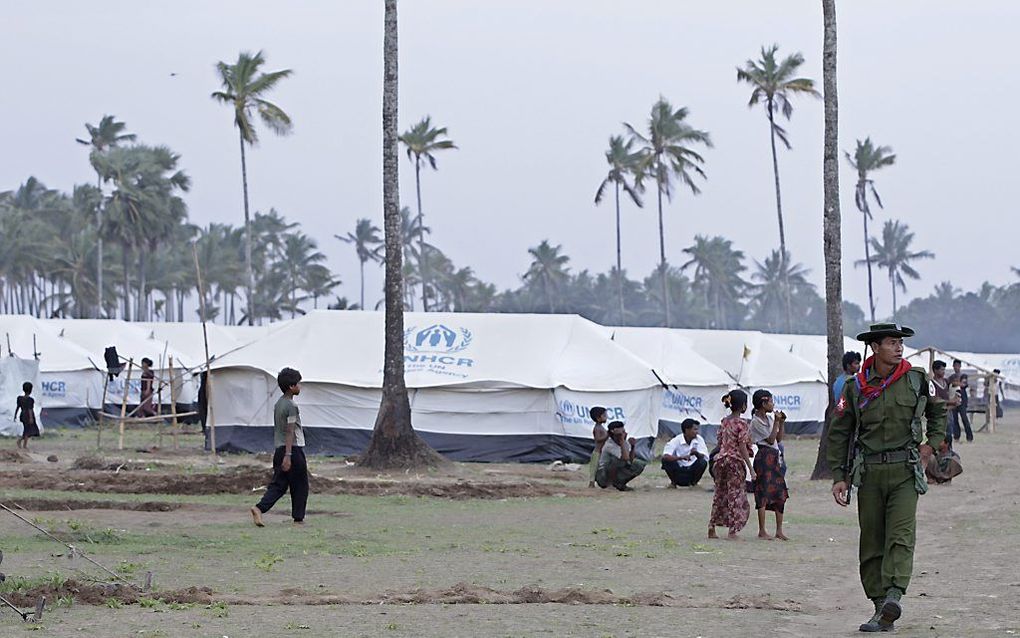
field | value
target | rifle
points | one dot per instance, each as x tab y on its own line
851	443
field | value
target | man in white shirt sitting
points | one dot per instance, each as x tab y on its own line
685	457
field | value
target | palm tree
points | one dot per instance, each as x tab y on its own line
777	279
394	443
107	134
143	208
622	163
365	240
773	85
243	90
422	141
548	270
717	268
299	255
831	236
667	154
866	159
893	253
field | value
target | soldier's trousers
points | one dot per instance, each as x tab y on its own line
886	509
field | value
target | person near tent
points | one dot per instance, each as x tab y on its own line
851	366
959	413
600	434
618	464
770	492
26	405
290	469
943	392
732	464
685	457
876	442
148	377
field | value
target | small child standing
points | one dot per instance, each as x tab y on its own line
290	470
26	405
600	434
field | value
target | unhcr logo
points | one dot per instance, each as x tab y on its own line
430	349
577	414
436	338
676	400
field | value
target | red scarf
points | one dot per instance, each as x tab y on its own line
871	392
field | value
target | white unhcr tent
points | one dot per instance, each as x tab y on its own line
693	385
70	386
756	360
132	342
483	387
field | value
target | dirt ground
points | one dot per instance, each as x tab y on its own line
475	549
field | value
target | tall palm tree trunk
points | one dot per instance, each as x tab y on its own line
830	227
141	302
249	273
662	245
125	258
619	261
422	257
362	264
394	442
782	230
892	280
99	248
867	260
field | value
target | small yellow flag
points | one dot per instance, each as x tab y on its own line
747	352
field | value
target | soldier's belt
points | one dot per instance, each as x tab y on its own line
893	456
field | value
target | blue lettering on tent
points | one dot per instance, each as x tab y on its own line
570	413
787	401
54	388
676	400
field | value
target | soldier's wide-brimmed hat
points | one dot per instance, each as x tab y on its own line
879	331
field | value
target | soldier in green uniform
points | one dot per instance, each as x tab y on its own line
878	446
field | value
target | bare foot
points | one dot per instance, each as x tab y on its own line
781	536
732	536
763	535
712	534
256	517
591	483
301	522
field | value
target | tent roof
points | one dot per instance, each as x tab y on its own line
132	340
187	338
55	354
753	358
671	356
450	349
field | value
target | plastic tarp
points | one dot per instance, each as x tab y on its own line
14	372
482	387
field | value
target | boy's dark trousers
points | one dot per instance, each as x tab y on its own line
296	479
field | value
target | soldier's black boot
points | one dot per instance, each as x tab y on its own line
891	609
872	624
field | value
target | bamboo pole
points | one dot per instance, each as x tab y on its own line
993	403
173	403
123	403
159	403
210	421
102	411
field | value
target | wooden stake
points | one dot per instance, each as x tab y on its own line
123	403
210	421
102	410
173	403
993	403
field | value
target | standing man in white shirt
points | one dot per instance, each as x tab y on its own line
685	456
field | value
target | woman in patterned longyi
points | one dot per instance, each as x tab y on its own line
729	503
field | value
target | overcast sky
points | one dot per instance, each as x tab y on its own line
530	91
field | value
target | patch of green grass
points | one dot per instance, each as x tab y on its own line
219	609
268	561
113	603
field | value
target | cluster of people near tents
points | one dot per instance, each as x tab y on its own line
747	458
